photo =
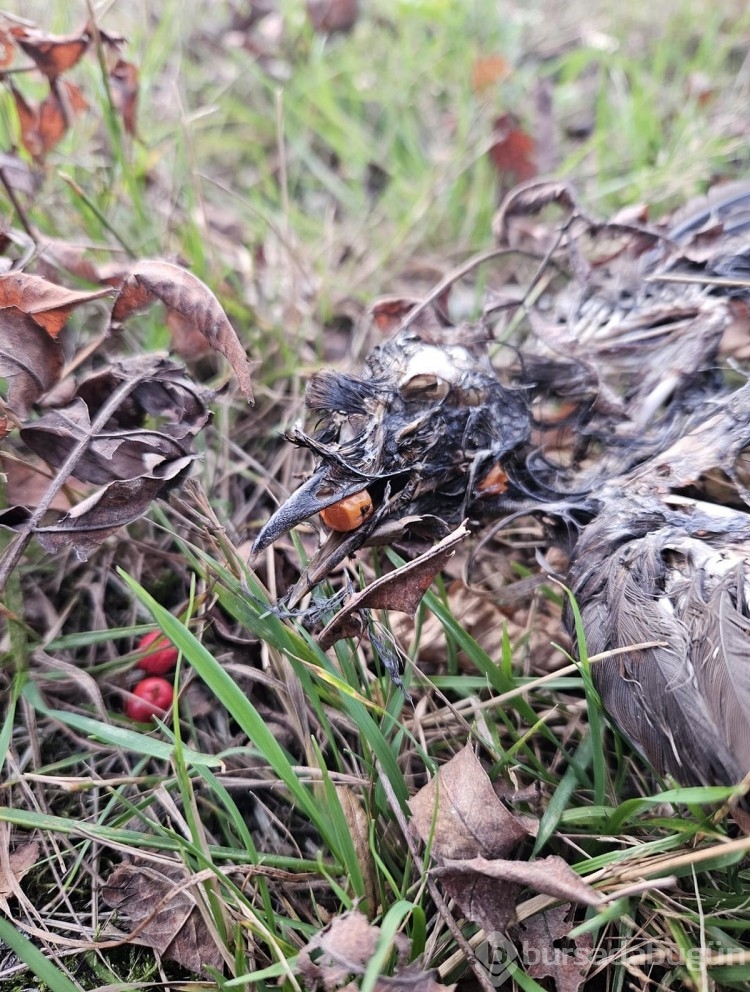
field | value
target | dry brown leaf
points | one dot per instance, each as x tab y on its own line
136	463
467	882
342	950
123	80
170	922
55	254
401	589
56	112
53	54
469	820
48	304
181	291
328	16
513	151
487	71
28	119
164	391
27	482
20	862
103	513
30	359
470	833
547	952
413	979
109	455
187	341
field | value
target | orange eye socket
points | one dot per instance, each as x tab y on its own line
495	483
348	513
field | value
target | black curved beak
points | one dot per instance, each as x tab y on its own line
314	495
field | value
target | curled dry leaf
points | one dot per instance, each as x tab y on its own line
135	464
160	905
53	54
30	360
161	389
401	589
20	861
118	504
48	304
342	950
181	291
472	882
108	456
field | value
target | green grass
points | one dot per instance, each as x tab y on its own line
300	187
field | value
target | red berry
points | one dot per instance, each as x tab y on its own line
151	697
162	654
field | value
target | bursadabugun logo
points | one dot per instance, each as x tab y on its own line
495	954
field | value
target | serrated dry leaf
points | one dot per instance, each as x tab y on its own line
181	291
156	901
